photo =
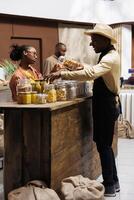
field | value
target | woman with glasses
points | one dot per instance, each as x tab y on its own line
27	56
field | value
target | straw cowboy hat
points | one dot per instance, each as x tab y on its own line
104	30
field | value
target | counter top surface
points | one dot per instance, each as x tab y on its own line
4	87
49	106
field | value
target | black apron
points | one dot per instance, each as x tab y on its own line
105	111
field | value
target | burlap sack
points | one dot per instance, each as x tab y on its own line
125	129
34	190
81	188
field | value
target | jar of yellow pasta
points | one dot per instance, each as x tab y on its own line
51	93
61	92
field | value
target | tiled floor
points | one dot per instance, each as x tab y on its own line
125	166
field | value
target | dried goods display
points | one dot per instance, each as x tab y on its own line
41	92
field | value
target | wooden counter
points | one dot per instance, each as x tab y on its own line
48	142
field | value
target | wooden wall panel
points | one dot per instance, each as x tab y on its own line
46	32
5	34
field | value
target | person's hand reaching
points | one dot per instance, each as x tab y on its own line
52	76
57	67
72	65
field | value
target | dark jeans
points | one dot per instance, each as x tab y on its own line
108	165
104	116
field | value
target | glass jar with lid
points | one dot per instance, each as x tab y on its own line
51	93
61	92
41	98
71	90
88	88
23	85
42	84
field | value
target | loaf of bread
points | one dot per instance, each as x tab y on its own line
71	64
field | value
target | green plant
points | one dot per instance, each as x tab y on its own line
8	67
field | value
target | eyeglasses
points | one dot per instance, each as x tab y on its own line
32	52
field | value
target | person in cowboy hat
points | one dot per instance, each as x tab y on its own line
106	75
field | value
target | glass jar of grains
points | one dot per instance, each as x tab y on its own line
61	92
41	98
71	90
51	93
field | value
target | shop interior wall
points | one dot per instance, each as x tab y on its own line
132	46
44	34
41	34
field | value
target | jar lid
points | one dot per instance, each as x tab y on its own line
34	92
61	85
49	86
24	92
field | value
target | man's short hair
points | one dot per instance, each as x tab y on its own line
59	44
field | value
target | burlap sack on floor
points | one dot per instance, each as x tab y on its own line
125	129
81	188
34	190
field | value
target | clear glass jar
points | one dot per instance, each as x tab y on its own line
41	98
24	85
80	89
51	93
61	92
42	84
71	90
88	88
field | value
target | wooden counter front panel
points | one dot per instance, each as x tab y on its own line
13	150
72	149
26	147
